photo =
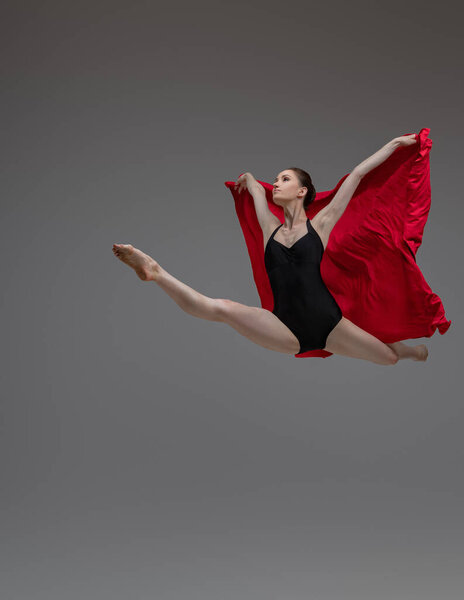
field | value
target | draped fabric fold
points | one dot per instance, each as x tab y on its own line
369	264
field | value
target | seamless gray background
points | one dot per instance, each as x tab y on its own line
148	454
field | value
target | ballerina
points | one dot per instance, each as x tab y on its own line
306	315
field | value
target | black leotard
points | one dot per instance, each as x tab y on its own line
301	298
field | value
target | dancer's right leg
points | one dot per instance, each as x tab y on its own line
257	324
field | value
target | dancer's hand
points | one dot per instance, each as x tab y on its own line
242	182
406	140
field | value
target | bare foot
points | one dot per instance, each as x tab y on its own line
418	352
145	267
422	352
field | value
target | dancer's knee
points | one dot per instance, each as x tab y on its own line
391	357
223	309
385	356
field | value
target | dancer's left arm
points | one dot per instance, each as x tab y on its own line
329	215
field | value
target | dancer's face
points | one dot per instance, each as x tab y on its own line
287	188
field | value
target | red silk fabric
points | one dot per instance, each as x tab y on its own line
369	264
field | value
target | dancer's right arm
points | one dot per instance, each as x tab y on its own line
266	219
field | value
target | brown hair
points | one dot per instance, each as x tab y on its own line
305	181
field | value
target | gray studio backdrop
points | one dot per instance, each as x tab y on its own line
146	454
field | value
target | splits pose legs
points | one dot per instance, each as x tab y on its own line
261	326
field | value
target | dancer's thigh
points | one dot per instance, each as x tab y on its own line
259	325
348	339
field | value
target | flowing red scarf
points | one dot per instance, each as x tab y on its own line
369	264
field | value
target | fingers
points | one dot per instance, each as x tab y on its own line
240	184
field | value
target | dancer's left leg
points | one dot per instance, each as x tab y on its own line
418	352
348	339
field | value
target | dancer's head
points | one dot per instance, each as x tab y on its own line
293	184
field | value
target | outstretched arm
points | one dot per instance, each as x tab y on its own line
329	215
